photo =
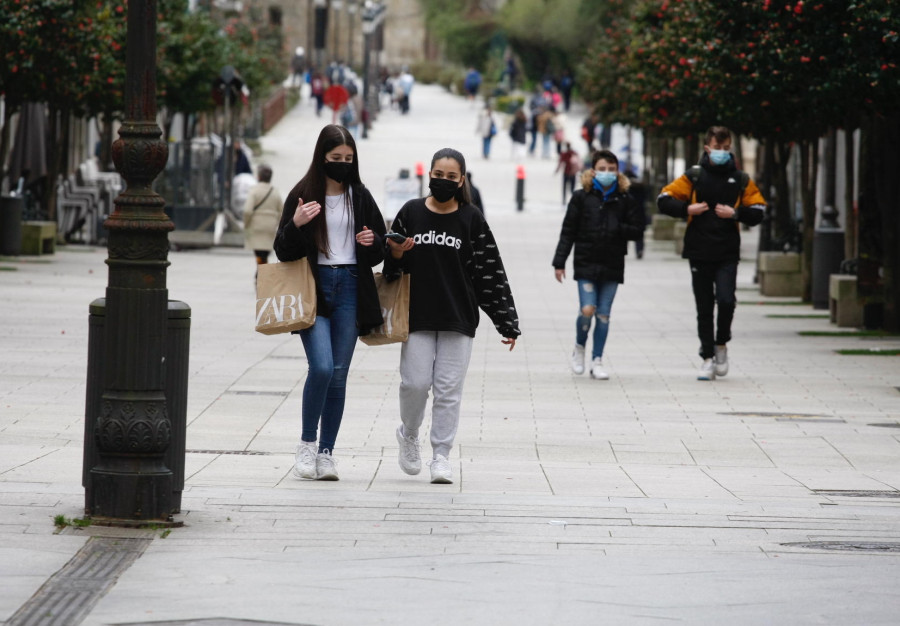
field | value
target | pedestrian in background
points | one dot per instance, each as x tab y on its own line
472	83
486	129
331	219
570	164
262	212
546	128
638	191
536	106
404	87
600	220
455	268
715	198
518	132
566	84
298	66
317	89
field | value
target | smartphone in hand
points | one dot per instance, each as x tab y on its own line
396	237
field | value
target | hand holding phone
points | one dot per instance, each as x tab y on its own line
396	237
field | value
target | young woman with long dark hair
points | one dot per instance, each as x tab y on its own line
331	219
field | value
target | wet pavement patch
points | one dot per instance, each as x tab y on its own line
880	547
858	493
213	621
787	417
69	595
870	352
237	452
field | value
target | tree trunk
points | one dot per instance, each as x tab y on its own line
4	143
106	140
851	249
884	161
809	158
782	214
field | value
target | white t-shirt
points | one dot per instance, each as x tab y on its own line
341	239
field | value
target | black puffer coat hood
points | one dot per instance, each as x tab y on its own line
599	230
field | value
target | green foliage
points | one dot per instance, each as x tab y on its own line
72	55
255	51
191	54
509	104
61	521
552	36
770	69
463	29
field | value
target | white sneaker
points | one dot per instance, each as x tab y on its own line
440	470
326	467
707	370
721	360
410	458
597	372
305	460
578	359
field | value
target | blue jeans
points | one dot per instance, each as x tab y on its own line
329	345
599	295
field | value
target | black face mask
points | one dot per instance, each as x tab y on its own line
442	189
338	170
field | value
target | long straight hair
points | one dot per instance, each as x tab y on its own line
312	185
463	194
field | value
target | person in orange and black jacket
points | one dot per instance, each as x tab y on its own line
602	217
715	198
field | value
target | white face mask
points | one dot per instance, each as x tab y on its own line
606	179
719	157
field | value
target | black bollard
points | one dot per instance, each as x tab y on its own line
520	187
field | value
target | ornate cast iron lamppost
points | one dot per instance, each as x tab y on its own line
129	483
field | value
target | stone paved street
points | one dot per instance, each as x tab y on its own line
770	496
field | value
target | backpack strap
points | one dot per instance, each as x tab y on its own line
265	197
693	175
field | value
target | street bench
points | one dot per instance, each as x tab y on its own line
663	227
38	238
779	274
844	307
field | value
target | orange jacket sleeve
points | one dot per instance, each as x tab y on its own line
675	197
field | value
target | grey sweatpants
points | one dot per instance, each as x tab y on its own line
435	360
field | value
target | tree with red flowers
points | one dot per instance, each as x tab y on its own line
784	72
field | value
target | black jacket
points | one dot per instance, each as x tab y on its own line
600	231
292	243
709	237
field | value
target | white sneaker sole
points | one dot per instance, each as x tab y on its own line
411	470
441	480
298	474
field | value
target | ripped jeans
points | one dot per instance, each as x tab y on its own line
597	297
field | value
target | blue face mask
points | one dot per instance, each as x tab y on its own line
719	157
606	179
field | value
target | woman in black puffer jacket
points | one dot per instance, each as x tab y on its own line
600	221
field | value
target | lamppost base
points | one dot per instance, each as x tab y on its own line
129	495
114	522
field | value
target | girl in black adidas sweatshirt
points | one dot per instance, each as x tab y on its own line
455	268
